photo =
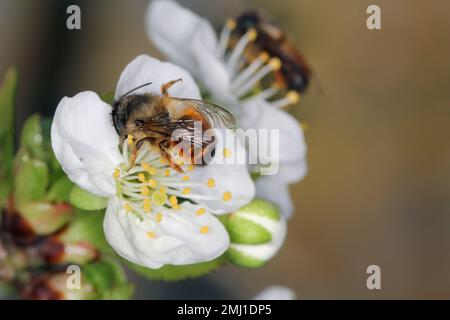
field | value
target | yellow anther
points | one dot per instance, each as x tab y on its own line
180	162
275	63
167	172
145	166
127	207
176	207
227	196
293	97
230	24
163	160
130	139
116	173
159	198
151	234
200	211
204	229
163	190
185	178
186	191
173	201
152	183
252	34
158	217
211	183
226	152
147	207
264	56
145	191
190	167
141	177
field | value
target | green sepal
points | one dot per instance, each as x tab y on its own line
31	180
60	190
176	273
86	201
244	231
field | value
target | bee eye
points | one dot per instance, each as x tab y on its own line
138	123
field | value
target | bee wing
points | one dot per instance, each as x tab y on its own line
168	127
217	116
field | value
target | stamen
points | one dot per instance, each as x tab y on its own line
248	37
141	177
145	191
152	183
190	167
185	178
186	191
151	234
127	207
226	152
116	173
150	169
200	211
211	183
250	70
292	97
167	172
273	65
224	37
173	201
147	205
204	229
158	217
227	196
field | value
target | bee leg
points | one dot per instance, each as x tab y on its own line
168	157
136	149
166	86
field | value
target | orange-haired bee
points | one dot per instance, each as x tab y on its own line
294	73
154	119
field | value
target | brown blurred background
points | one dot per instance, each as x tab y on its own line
378	188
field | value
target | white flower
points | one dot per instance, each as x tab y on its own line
276	293
191	42
144	221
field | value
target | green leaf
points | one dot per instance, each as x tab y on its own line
31	180
176	273
87	201
60	190
87	226
109	279
7	96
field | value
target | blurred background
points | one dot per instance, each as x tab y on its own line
378	187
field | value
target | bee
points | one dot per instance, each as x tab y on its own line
295	72
156	119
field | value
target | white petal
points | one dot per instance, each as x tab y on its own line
291	149
229	173
276	293
276	191
212	73
178	238
145	69
171	28
85	142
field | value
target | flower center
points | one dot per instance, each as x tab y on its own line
151	189
252	75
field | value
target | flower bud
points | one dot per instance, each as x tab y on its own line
256	231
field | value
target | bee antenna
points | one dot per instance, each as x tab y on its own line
137	88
